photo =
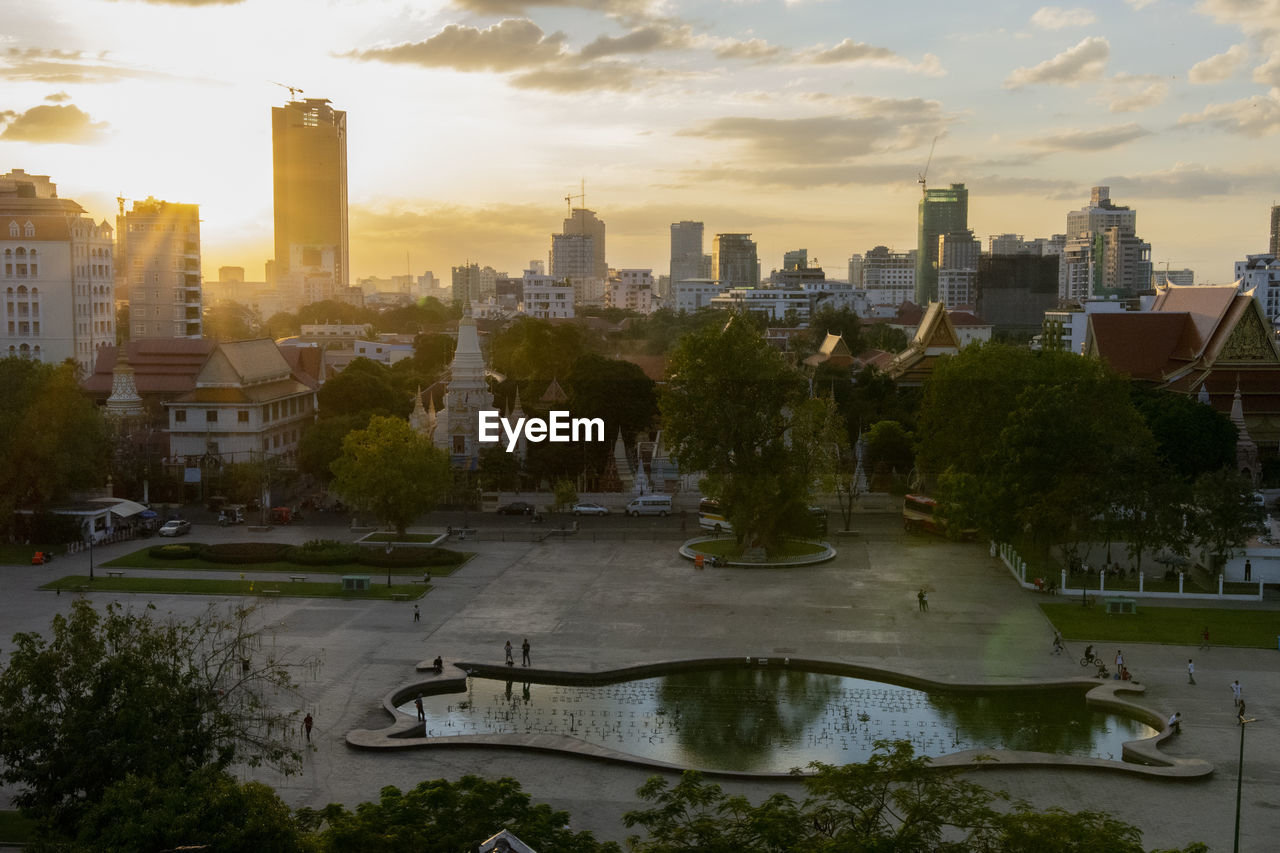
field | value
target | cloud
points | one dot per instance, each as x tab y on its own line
49	65
613	77
191	2
1268	73
753	50
1139	4
1128	93
1188	181
1260	21
1086	61
641	40
1217	68
52	123
518	7
1101	139
856	52
512	44
877	125
1255	116
806	176
1002	185
57	97
1054	18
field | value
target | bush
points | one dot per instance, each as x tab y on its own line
409	558
176	551
246	552
323	552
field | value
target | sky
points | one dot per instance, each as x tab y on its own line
804	122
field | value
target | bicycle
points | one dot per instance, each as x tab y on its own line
1091	660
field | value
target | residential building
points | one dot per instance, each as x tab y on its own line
545	296
158	246
247	403
796	259
855	270
1183	277
572	260
58	276
1014	244
466	283
958	253
387	349
889	277
1065	328
1012	292
632	289
1103	254
585	223
694	294
687	260
1261	274
772	302
309	160
311	276
941	211
734	262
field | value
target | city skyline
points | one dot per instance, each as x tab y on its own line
805	124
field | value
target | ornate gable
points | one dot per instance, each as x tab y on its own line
1249	340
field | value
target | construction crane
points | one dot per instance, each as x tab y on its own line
568	200
921	178
294	91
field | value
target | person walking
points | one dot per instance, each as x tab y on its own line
923	598
416	615
524	652
510	659
307	723
1204	638
1237	693
1191	672
1058	647
417	703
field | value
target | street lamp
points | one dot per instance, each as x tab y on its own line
1244	721
91	554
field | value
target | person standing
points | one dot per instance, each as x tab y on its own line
1119	659
524	652
307	723
1237	693
1248	570
1191	672
923	598
1204	638
510	659
422	714
416	615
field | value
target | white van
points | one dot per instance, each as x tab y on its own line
650	505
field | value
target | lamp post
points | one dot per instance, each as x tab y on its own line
1244	721
90	555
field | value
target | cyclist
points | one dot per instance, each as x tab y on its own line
1058	648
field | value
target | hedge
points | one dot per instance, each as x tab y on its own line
176	551
323	552
246	552
409	558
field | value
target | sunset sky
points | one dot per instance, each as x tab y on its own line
804	122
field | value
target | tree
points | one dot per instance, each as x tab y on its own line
1225	513
119	693
363	387
727	408
389	470
446	817
616	391
231	321
566	495
889	446
321	443
531	348
433	352
1191	437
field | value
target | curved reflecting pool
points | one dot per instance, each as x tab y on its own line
773	720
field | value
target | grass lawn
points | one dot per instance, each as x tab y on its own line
1250	629
728	547
142	560
14	828
408	537
203	586
20	555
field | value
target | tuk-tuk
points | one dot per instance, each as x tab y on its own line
231	514
281	515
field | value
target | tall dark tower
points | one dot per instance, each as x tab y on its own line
1275	229
941	212
309	155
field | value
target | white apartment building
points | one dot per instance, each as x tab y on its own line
158	249
692	294
632	289
1065	328
1183	277
889	277
773	303
58	276
386	352
545	298
1261	274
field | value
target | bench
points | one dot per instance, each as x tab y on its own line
297	577
269	591
399	596
1121	605
115	573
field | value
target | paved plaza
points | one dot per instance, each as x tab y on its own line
596	605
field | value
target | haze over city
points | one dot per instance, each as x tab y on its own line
803	123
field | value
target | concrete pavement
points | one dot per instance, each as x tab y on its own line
605	604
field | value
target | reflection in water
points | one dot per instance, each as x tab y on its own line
772	719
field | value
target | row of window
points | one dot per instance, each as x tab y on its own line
28	230
25	351
292	406
22	309
21	270
24	329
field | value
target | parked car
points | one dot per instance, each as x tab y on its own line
176	527
516	508
588	508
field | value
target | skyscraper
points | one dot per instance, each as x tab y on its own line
1275	229
941	211
158	253
1103	252
686	251
309	156
585	222
734	262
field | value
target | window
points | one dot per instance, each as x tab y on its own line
242	417
180	416
211	416
13	232
30	230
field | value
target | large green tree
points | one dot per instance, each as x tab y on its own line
727	408
1225	513
392	472
363	387
122	693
